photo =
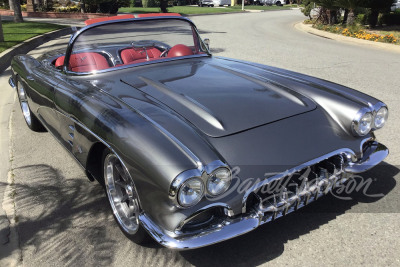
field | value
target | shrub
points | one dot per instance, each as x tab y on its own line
150	3
68	9
389	19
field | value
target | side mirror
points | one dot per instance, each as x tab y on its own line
207	42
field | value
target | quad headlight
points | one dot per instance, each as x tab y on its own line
368	119
381	117
191	192
219	181
190	186
362	124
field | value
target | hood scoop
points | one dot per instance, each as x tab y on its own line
198	109
218	99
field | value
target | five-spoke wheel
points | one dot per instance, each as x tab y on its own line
123	197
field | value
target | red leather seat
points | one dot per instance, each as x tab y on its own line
180	50
130	55
84	62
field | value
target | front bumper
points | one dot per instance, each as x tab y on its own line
373	154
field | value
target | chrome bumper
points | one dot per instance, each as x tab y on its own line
232	227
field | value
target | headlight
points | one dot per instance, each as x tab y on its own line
381	117
219	181
191	192
363	123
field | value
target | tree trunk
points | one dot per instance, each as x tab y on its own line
17	11
163	6
332	16
83	6
345	16
350	17
10	3
373	17
1	32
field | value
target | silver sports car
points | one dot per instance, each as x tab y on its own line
194	149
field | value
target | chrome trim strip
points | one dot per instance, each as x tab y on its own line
11	82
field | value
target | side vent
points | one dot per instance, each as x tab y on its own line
71	135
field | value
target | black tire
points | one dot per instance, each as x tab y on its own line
113	170
31	120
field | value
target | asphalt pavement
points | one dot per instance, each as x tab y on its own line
63	219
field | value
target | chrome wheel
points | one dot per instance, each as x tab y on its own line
23	100
122	194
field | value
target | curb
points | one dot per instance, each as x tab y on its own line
345	39
28	45
239	12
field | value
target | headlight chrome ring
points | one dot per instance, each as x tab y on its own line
219	181
363	122
191	192
381	117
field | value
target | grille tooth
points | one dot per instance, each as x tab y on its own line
297	189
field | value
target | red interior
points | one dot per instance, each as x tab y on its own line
130	55
180	50
84	62
91	61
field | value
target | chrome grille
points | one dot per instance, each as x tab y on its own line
286	194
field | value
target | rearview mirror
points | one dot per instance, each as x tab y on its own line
207	42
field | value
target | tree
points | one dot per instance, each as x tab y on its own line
17	10
328	11
163	6
351	5
1	31
376	7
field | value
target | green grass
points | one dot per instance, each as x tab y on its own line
15	33
186	10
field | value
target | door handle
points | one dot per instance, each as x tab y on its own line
30	78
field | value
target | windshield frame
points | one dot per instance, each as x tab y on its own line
91	26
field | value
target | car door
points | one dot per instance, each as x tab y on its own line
43	80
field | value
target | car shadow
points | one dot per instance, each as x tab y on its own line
268	241
52	212
69	221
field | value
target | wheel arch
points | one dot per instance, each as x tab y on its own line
94	162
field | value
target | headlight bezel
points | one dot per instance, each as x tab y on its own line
213	174
356	124
364	111
200	195
377	108
202	173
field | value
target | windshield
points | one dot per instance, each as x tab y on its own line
132	42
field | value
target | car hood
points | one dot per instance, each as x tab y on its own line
217	99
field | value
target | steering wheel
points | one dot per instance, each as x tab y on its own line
165	52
